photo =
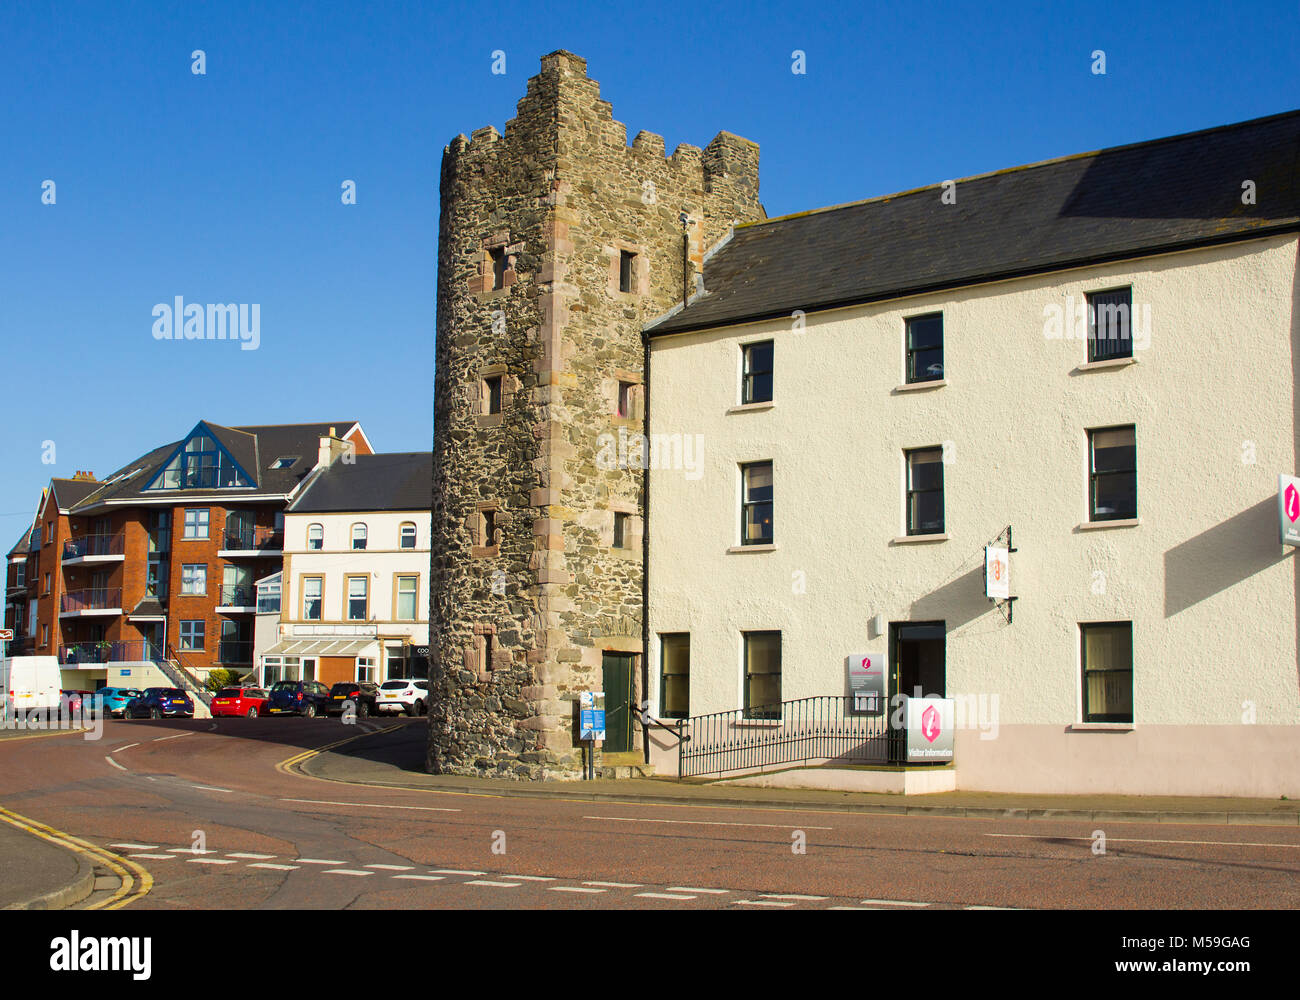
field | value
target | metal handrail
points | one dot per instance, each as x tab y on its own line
183	676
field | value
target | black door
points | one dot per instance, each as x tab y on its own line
617	668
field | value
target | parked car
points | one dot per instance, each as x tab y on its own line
71	702
248	702
114	700
305	698
156	703
410	695
361	694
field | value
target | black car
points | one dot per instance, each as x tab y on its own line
360	693
305	698
156	703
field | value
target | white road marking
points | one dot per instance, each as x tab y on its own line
572	888
853	907
127	747
211	861
453	871
528	878
761	902
136	847
988	907
211	788
616	885
1137	840
370	805
252	857
499	885
189	850
791	895
691	888
422	878
154	857
317	861
662	895
346	871
159	739
278	868
703	822
393	868
115	763
893	902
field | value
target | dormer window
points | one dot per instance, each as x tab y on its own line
201	463
287	462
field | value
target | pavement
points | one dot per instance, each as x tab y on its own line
39	875
396	760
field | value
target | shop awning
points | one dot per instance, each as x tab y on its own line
322	646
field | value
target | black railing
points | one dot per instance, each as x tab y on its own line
235	596
252	540
131	650
238	651
93	545
182	674
94	599
824	729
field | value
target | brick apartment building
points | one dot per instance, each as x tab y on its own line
160	559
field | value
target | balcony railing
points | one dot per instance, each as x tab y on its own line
130	651
93	545
237	596
99	599
235	651
253	540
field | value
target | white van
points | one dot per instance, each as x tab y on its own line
30	682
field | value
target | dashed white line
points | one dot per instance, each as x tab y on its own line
159	739
189	850
422	878
453	871
892	902
346	871
499	885
136	847
616	885
154	857
791	895
528	878
393	868
853	907
703	822
317	861
762	902
572	888
127	747
252	857
211	861
662	895
115	763
691	888
278	868
211	788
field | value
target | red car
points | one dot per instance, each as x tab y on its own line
247	702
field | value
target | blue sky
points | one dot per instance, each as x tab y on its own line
225	187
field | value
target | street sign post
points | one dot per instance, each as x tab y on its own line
1288	510
591	709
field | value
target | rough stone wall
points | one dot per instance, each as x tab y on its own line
558	197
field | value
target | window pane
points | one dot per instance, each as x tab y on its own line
1114	450
926	513
925	469
676	670
758	522
763	652
924	332
758	482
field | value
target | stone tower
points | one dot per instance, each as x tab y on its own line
557	243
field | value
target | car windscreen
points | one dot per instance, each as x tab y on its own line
228	693
393	685
284	686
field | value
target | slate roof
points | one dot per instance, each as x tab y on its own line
394	481
28	540
1126	201
70	492
255	448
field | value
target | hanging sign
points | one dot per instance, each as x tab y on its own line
997	572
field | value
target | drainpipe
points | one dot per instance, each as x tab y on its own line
686	271
645	538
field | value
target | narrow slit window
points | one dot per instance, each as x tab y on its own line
626	270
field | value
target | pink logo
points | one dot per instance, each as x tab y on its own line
930	724
1292	500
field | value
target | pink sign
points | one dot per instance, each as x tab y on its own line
930	724
1292	500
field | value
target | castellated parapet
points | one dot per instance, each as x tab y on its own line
558	242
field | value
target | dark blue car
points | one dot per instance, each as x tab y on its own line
157	703
305	698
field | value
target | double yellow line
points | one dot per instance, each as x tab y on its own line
290	764
135	881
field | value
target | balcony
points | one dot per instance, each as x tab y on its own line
252	542
237	651
94	549
91	653
86	603
237	599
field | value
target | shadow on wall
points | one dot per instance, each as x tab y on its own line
955	603
1223	556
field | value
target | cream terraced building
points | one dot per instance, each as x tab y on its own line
1099	352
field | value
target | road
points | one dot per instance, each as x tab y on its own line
206	808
